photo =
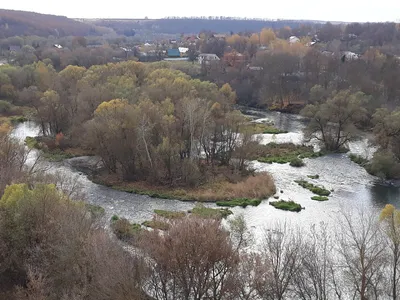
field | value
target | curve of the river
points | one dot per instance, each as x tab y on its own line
353	186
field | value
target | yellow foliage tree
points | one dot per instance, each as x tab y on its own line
390	217
229	94
255	39
267	35
112	105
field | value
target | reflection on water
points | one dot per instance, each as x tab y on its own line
385	194
352	186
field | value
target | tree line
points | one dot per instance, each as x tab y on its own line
145	122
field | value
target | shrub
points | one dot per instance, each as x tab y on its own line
297	162
18	119
243	202
321	191
124	230
358	159
114	218
319	198
313	176
32	143
5	107
286	205
384	165
95	210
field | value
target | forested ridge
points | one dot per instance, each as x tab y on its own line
14	23
195	25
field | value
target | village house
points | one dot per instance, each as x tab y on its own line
173	53
234	59
294	39
183	51
207	58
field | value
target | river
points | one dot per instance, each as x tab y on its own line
352	186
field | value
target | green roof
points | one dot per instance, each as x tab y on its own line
173	53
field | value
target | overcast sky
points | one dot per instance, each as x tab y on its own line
332	10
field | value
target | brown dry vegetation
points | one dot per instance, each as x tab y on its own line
258	186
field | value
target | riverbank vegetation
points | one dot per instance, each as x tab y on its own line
358	159
286	205
125	230
56	149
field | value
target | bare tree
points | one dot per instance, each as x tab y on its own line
361	250
194	259
280	261
315	279
390	221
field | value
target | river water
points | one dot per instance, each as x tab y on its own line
353	187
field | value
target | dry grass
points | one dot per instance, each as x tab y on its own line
259	186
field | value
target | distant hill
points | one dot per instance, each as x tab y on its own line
13	22
192	25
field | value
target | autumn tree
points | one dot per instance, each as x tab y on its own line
52	248
390	219
387	130
267	35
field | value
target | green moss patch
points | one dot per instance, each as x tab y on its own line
243	202
285	153
297	162
170	214
321	191
286	205
273	130
156	224
206	212
263	128
95	210
319	198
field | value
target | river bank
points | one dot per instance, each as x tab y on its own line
249	190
